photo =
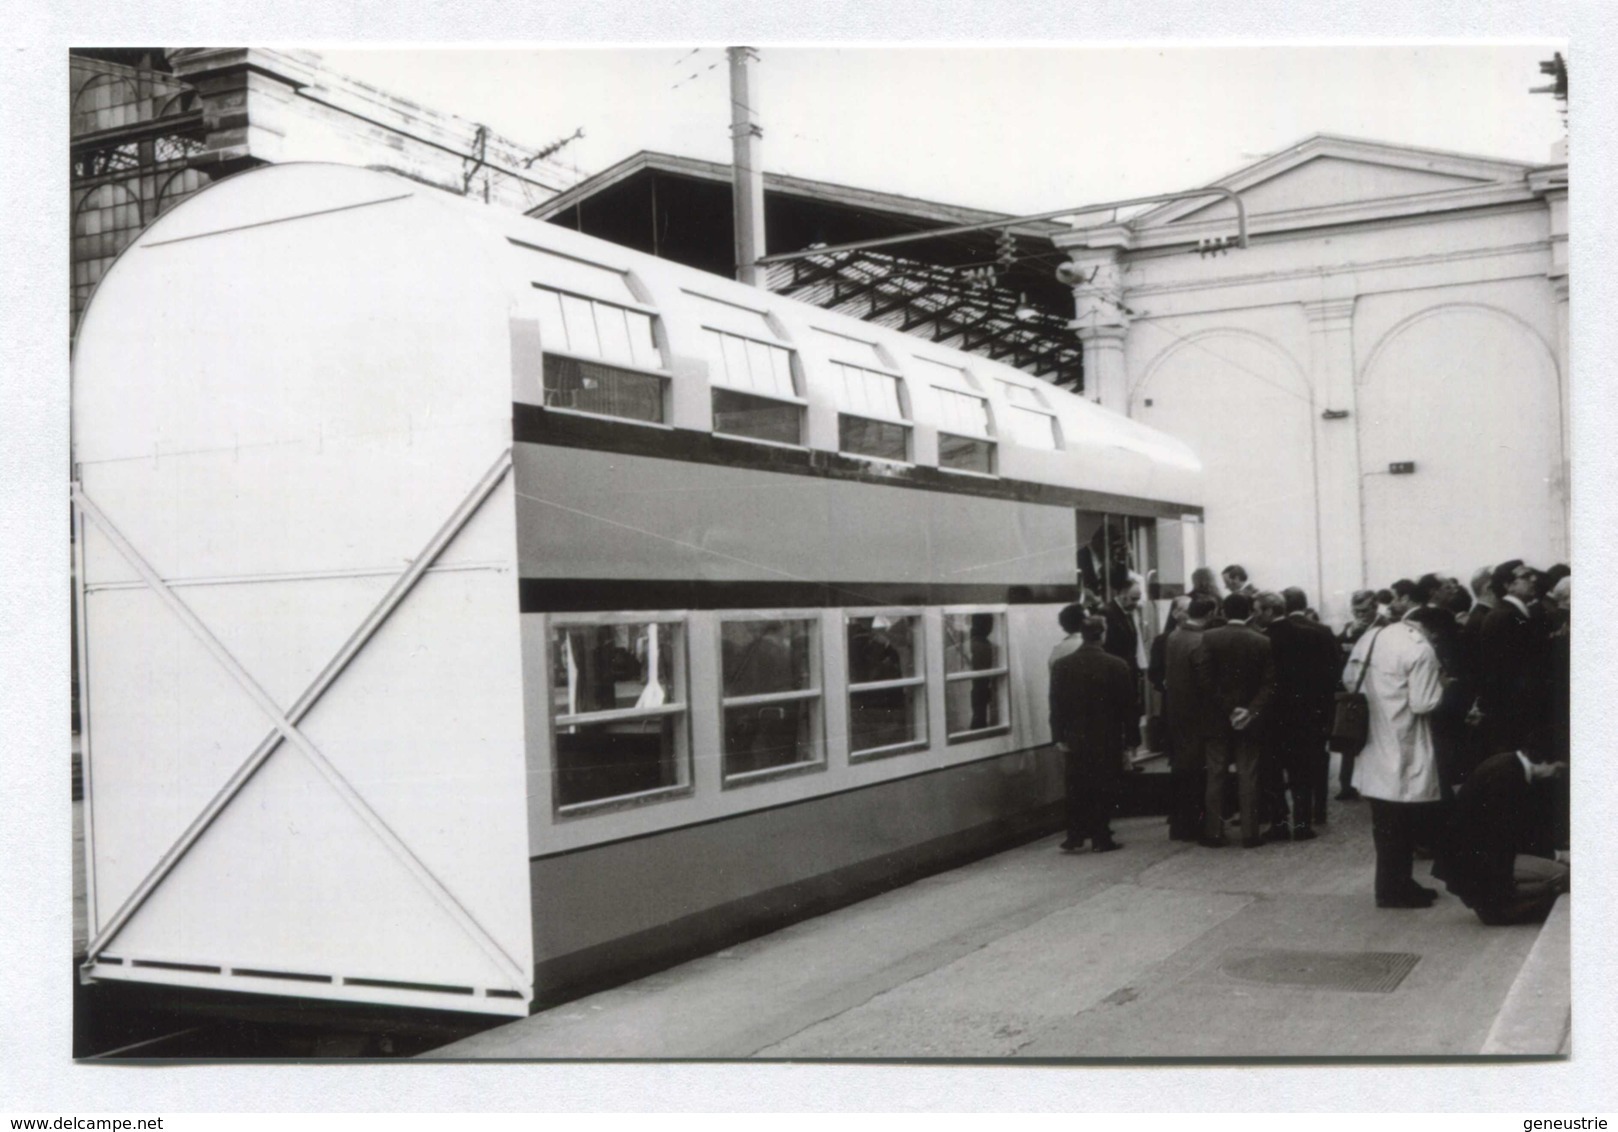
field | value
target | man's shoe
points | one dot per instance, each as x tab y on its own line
1422	892
1348	794
1072	846
1252	842
1106	846
1280	831
1303	833
1406	901
1212	842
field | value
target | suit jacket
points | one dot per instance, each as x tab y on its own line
1487	830
1123	637
1306	669
1510	673
1239	666
1190	704
1092	704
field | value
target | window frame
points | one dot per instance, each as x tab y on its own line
905	420
920	680
685	785
794	373
817	673
1041	408
663	374
1001	673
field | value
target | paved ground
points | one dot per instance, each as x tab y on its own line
1038	954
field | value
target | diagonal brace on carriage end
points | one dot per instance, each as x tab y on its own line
285	727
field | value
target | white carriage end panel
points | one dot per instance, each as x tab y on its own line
427	726
290	880
169	727
380	321
424	725
362	506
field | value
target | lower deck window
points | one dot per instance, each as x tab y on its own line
590	387
975	674
757	418
770	696
619	704
965	454
862	436
887	693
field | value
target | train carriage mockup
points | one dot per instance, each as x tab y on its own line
475	612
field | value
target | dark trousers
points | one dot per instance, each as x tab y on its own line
1290	768
1272	781
1536	883
1345	773
1186	786
1092	795
1317	766
1246	752
1395	828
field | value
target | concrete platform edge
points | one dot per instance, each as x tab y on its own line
1536	1018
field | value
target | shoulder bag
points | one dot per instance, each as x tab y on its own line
1351	722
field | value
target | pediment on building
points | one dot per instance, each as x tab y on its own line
1332	173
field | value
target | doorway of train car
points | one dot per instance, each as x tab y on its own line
1120	552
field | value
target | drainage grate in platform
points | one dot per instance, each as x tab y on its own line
1375	971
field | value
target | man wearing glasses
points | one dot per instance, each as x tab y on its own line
1511	686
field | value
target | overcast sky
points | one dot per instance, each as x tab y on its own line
1018	129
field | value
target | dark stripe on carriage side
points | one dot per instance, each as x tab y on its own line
532	424
595	595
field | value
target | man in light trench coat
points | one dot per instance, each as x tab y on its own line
1397	770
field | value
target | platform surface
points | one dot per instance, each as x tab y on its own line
1161	951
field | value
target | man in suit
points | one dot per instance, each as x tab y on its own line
1481	858
1123	641
1319	700
1305	657
1193	716
1092	702
1236	663
1510	677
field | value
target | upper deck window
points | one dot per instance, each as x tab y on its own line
587	328
965	436
1032	422
743	363
875	422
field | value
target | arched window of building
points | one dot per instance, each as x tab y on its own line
106	220
105	103
178	187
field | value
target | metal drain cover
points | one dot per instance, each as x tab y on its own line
1376	971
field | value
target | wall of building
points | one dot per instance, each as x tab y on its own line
1301	368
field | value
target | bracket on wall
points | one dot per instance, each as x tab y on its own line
1334	415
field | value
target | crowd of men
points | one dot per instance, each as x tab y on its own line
1466	689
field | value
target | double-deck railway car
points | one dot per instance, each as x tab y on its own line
475	612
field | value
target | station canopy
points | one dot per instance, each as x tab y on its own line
979	292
